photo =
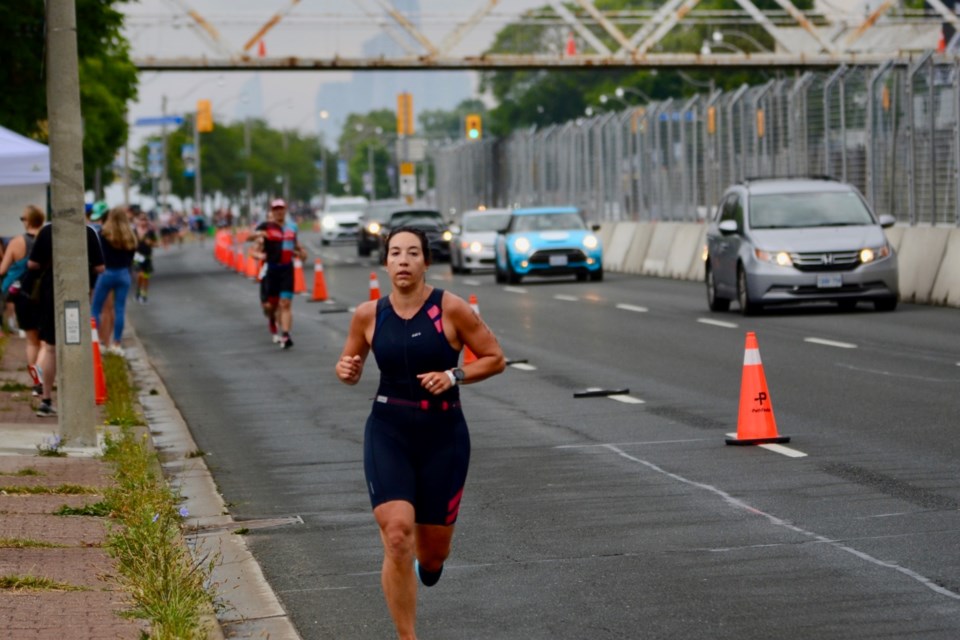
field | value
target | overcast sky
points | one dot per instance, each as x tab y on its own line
311	29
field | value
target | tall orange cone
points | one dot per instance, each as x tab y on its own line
299	283
468	355
99	380
374	286
319	282
755	424
251	268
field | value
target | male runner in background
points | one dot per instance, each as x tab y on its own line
280	247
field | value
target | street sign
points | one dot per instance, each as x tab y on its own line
155	158
411	149
342	171
158	121
188	153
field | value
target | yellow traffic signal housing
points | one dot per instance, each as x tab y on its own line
204	116
473	126
405	120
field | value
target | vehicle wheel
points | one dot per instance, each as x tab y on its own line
363	250
747	307
499	275
597	276
512	276
325	243
887	304
715	302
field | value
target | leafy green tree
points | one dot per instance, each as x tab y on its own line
108	78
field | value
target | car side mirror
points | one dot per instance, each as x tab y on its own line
595	227
887	220
728	227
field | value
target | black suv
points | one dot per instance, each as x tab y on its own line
374	217
430	221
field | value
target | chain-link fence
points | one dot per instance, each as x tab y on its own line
892	131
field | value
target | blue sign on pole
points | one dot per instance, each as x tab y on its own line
342	171
158	121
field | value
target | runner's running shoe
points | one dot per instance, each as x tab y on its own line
286	342
427	578
46	410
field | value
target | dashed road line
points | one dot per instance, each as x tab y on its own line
607	445
566	298
624	398
718	323
515	289
523	366
831	343
472	282
632	307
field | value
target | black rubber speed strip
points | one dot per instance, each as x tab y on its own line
599	393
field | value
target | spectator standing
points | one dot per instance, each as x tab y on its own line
119	245
13	268
40	265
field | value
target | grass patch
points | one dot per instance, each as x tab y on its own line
23	543
22	473
59	490
13	385
97	509
33	583
168	587
120	408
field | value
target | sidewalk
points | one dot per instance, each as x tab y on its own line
248	607
79	559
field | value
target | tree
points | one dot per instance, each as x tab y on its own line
108	78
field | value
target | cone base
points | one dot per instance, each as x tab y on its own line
750	441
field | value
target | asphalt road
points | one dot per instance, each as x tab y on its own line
595	517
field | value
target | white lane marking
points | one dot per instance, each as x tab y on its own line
777	448
718	323
472	282
515	289
831	343
624	398
627	444
438	277
523	366
894	375
631	307
565	298
736	503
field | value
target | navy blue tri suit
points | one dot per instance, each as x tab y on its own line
416	445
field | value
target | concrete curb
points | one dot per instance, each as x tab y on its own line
248	608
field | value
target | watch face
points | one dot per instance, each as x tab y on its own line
459	374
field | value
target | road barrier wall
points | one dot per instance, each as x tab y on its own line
929	257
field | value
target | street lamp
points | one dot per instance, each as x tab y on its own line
622	91
718	35
605	98
707	47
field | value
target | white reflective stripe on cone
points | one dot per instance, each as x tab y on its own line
751	356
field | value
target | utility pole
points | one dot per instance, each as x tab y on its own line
247	151
165	179
71	283
286	171
197	180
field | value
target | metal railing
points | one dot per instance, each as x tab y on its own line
893	131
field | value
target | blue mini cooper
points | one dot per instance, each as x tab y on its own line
548	241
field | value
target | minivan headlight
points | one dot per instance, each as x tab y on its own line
872	254
329	222
779	258
373	228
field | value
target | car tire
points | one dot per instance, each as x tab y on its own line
512	276
715	302
324	242
498	275
747	306
363	251
597	276
886	304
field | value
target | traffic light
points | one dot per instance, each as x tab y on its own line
204	116
474	126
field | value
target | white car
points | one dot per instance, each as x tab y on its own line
340	219
472	247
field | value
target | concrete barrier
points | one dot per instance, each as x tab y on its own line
684	247
946	288
638	248
615	252
606	233
895	237
655	262
921	252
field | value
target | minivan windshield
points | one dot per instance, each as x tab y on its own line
345	207
809	209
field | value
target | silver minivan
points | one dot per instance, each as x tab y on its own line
775	241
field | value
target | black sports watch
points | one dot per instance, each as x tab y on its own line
459	375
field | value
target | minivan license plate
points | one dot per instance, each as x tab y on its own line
829	280
558	261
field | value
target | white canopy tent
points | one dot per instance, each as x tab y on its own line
24	176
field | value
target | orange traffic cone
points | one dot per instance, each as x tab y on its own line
755	424
468	355
99	380
319	282
941	43
374	286
239	262
251	270
299	284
